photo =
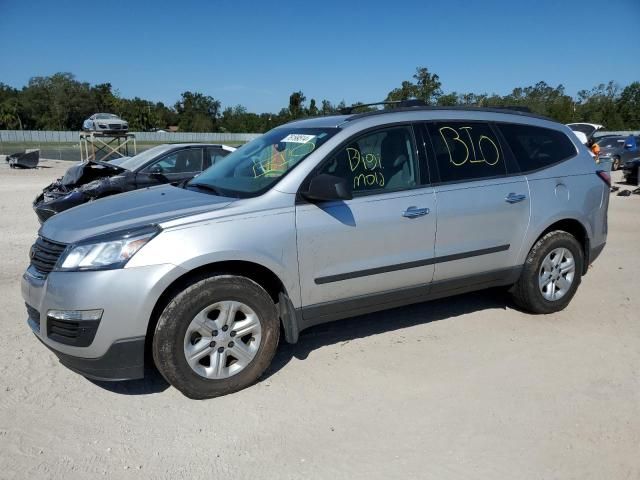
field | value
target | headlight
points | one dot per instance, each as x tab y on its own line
105	252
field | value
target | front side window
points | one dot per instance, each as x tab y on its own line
182	161
536	147
466	151
257	166
376	162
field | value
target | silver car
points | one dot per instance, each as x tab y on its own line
105	122
315	221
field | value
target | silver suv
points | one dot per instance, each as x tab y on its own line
315	221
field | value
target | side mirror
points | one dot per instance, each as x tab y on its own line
326	187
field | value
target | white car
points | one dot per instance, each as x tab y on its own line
584	131
105	122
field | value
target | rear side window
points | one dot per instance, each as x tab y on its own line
537	147
213	155
466	151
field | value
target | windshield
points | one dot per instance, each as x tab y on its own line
134	163
611	142
257	166
117	161
105	116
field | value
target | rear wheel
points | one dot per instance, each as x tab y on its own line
551	274
216	336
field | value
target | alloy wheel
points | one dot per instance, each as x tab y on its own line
222	339
556	274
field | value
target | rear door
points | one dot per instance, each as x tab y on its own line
381	241
483	204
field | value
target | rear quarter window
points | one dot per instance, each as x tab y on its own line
537	147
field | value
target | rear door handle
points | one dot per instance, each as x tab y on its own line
515	198
413	212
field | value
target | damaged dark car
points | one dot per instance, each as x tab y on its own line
88	181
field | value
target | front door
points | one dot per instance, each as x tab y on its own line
380	241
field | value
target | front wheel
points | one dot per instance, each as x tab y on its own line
616	163
216	336
551	274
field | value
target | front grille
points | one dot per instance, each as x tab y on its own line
69	332
33	318
114	126
44	254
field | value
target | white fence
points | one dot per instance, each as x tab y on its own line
66	145
624	133
45	136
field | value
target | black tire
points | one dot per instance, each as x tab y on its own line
526	292
168	339
615	164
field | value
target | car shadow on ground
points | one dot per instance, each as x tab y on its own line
385	322
342	331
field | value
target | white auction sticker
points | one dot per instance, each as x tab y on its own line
298	138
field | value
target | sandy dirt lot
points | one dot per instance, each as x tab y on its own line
466	387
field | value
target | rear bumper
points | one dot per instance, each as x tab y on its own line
124	360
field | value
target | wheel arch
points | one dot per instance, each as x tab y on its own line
574	227
260	274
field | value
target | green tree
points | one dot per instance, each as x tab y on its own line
406	91
10	110
448	100
600	105
629	106
313	108
327	108
296	104
104	99
427	86
197	112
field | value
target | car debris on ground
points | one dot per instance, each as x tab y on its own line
26	159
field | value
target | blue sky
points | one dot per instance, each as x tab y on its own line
257	53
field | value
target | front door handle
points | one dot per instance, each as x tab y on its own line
515	198
413	212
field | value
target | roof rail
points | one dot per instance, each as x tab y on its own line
413	105
413	102
349	110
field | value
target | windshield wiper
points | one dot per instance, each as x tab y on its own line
205	186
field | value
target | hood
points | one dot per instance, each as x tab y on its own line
98	169
128	210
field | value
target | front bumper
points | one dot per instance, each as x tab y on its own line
46	209
127	297
124	360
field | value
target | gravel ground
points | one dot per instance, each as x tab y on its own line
466	387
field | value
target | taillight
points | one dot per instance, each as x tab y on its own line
604	176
